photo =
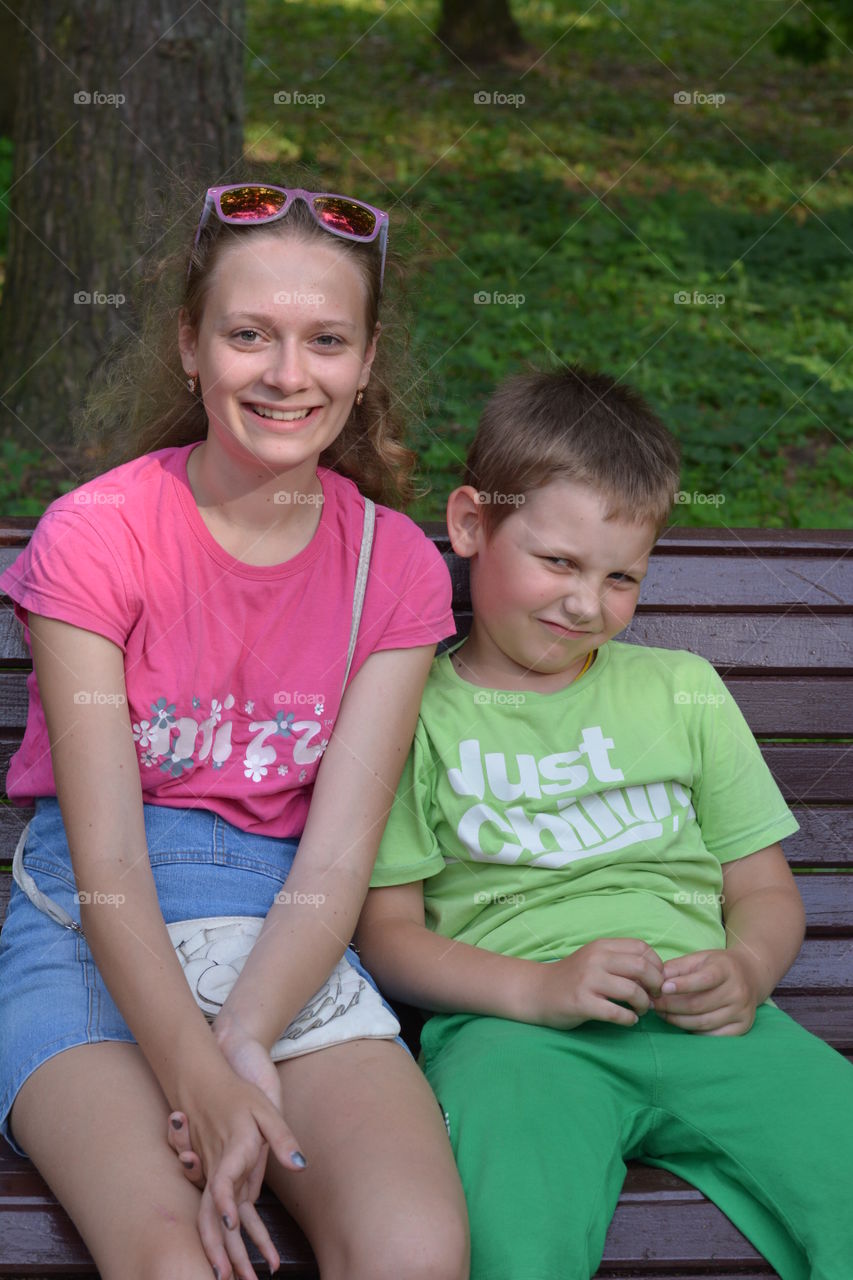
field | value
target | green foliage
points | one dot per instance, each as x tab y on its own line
26	487
599	198
818	30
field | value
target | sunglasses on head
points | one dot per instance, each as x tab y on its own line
256	203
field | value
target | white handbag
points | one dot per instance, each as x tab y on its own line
213	950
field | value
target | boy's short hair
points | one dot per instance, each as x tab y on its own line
573	424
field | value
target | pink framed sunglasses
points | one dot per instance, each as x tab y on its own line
252	202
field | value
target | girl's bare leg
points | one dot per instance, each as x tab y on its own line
93	1120
380	1198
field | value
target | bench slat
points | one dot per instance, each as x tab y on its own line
774	707
659	1218
742	643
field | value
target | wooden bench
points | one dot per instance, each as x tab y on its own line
774	613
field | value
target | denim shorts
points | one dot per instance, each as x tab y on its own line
52	996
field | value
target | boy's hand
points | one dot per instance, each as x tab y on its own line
588	983
710	992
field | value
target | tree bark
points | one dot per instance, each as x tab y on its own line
119	108
479	30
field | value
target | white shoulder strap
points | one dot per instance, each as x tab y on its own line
360	581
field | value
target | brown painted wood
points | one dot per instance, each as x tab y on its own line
687	581
744	643
659	1219
774	612
814	706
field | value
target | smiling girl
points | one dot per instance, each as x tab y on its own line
197	740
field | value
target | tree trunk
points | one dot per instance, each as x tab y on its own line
479	30
115	102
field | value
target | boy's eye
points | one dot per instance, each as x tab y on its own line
562	562
623	579
327	340
246	335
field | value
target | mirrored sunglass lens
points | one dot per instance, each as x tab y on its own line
345	215
251	203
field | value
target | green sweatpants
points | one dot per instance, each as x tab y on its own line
542	1121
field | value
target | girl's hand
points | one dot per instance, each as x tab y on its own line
250	1060
234	1124
709	992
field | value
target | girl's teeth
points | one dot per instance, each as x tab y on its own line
280	415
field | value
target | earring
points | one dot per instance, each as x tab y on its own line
359	395
192	383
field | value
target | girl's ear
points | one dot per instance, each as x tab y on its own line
187	343
465	521
370	355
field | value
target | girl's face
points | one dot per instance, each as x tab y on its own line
280	351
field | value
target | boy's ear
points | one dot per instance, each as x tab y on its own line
465	521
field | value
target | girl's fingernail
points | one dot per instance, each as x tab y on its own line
177	1123
217	1273
227	1221
187	1161
298	1159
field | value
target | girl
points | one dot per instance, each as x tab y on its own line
189	614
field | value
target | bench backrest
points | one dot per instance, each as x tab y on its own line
773	611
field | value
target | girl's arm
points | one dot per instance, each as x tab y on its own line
304	937
82	688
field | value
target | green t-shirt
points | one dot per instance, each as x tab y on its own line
541	821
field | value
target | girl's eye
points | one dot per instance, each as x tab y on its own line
623	579
560	561
327	340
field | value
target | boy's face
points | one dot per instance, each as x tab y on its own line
553	581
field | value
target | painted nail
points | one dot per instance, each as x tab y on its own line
298	1159
176	1123
217	1273
227	1221
186	1161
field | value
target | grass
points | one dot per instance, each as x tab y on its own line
591	205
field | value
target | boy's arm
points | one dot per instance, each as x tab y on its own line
423	968
717	992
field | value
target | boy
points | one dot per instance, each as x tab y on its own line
593	835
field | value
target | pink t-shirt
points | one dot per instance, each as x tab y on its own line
233	671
